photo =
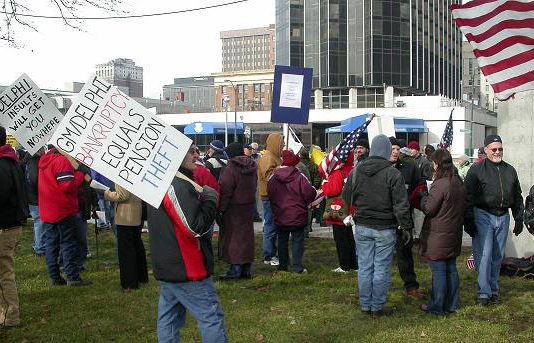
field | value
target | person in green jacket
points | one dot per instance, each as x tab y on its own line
463	166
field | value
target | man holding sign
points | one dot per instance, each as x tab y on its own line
182	257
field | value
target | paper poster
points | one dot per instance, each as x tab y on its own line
120	139
291	90
28	114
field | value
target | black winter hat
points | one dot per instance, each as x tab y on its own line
492	139
363	142
234	149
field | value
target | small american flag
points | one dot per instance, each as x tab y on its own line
470	262
501	33
337	157
446	139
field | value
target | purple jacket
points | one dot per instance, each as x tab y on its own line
290	193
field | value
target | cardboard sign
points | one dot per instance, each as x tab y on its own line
114	135
11	141
291	95
28	114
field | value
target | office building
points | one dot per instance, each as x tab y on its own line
123	73
248	49
359	47
198	93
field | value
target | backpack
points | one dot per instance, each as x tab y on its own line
513	266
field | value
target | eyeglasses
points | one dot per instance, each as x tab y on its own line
494	150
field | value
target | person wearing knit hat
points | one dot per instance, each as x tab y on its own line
412	179
377	190
361	150
217	145
289	159
290	193
236	218
493	188
424	165
414	145
234	149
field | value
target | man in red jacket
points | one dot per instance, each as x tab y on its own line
58	184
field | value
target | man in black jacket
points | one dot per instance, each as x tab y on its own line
412	179
12	215
492	188
182	257
377	191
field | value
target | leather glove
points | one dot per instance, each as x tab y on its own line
518	227
470	227
406	236
530	228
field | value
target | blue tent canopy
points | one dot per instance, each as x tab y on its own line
401	125
212	128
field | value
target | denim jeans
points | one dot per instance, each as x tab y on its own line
200	299
38	233
269	232
297	248
375	254
61	239
445	296
488	250
81	237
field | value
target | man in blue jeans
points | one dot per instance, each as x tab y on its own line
267	165
377	190
32	171
492	188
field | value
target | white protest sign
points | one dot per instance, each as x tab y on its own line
28	114
291	90
114	135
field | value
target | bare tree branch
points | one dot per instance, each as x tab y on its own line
13	18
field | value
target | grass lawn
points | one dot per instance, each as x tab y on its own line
272	307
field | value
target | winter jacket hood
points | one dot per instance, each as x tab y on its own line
6	151
287	174
245	164
373	165
269	162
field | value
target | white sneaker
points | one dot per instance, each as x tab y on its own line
275	262
339	270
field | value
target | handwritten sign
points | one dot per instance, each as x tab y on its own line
291	95
28	114
114	135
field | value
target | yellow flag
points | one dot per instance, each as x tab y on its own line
317	155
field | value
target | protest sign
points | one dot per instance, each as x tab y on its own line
291	95
28	114
120	139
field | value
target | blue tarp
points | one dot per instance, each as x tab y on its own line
211	128
401	125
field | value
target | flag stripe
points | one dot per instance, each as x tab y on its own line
496	39
475	9
502	36
505	95
483	32
516	48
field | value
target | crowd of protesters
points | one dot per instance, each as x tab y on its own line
383	198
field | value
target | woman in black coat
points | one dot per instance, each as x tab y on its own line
441	236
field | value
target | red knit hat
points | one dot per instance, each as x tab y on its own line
289	158
414	145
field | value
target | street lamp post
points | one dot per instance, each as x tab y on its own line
225	104
235	109
473	109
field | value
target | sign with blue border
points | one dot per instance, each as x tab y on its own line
291	95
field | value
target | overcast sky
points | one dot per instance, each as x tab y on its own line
177	45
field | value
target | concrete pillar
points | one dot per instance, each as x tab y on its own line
389	97
516	128
318	93
353	98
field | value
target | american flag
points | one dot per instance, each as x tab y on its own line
446	139
501	33
337	157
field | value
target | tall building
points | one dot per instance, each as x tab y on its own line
474	85
198	93
248	49
123	73
358	47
